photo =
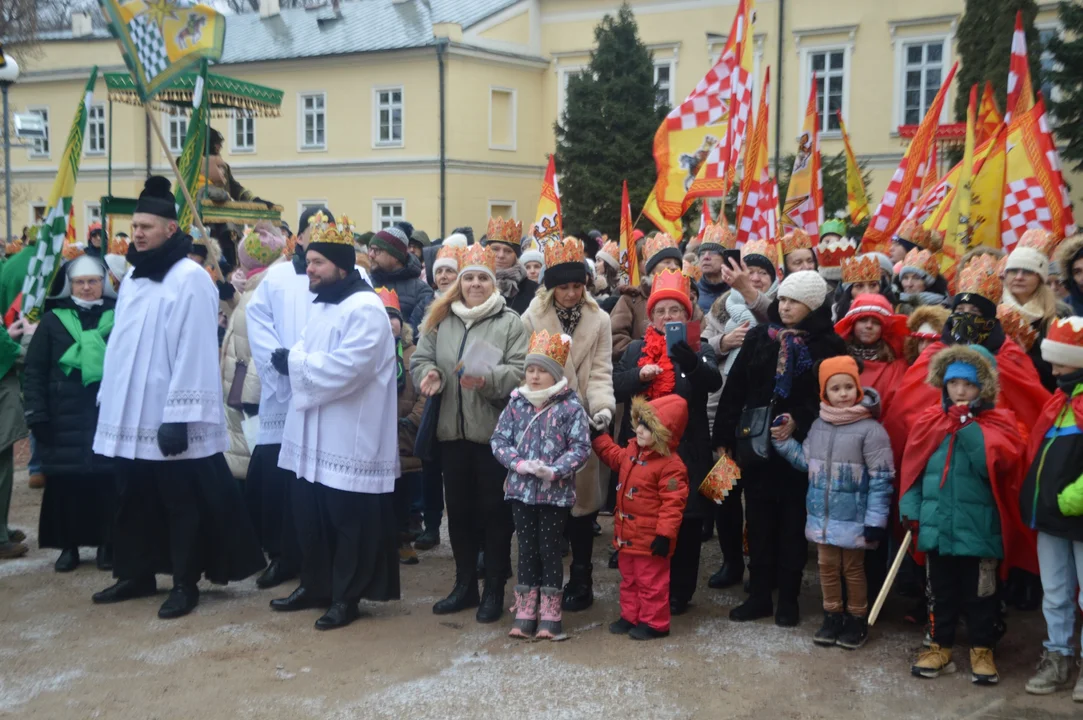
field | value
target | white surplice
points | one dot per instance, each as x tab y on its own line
342	428
161	366
276	315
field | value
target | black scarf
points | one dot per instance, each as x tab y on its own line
156	262
967	329
344	288
300	264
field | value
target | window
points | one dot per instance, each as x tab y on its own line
40	148
1048	63
95	130
922	73
829	67
564	74
92	213
663	82
502	209
303	205
244	135
388	123
387	212
314	121
502	121
37	213
176	132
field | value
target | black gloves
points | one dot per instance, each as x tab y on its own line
684	356
660	546
280	359
875	534
172	438
250	409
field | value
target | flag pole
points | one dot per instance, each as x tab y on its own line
176	170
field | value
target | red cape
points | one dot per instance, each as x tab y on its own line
884	378
1048	417
1004	460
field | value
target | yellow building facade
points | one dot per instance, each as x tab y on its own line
441	112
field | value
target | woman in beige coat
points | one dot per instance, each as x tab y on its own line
565	307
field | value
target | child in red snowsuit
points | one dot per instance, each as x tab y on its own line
651	496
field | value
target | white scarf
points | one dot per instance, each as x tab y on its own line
1032	310
538	398
469	316
86	304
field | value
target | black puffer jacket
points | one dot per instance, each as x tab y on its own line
751	384
407	282
69	410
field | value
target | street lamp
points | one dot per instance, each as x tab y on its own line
9	73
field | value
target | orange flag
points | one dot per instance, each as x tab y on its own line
548	225
804	206
989	117
628	258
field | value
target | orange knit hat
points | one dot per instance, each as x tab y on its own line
839	365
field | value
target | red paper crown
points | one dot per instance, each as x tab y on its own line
720	234
1016	326
389	297
478	255
692	271
556	346
611	249
660	241
981	277
568	250
670	281
796	239
833	251
70	251
1067	331
505	231
861	269
922	260
1038	239
118	246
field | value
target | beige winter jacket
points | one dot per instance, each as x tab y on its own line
235	351
590	373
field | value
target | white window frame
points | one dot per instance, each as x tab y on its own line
563	73
513	204
671	65
514	144
88	219
302	146
806	54
307	203
170	120
377	203
899	99
377	143
91	125
234	147
35	151
31	207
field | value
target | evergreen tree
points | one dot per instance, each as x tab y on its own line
607	131
1067	75
985	47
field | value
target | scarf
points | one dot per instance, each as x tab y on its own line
967	329
509	279
86	304
156	262
469	316
866	352
1032	310
655	352
569	317
843	416
400	366
87	353
539	398
337	292
793	357
1068	383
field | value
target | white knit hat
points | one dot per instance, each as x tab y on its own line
806	287
1028	258
608	259
456	239
1064	343
532	255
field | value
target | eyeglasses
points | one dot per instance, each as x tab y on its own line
86	282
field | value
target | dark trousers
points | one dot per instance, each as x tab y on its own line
478	517
684	567
729	518
404	487
432	490
777	549
580	534
267	493
539	528
963	584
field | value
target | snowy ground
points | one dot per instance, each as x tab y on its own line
62	657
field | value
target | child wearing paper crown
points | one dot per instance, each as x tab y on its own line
542	438
847	454
953	496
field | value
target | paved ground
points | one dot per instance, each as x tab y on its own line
61	657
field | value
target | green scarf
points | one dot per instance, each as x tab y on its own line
87	353
9	352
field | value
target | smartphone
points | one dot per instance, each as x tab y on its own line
728	255
675	333
780	420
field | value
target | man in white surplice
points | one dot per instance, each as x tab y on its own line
341	438
179	510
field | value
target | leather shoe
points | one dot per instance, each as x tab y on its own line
275	574
339	615
125	590
678	607
181	601
751	609
104	557
788	614
614	560
464	595
299	599
727	576
492	605
68	560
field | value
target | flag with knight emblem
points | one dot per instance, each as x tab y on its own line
804	206
548	226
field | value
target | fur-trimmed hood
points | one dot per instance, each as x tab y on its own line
933	315
1065	252
666	417
982	361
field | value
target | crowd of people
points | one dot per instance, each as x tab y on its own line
306	406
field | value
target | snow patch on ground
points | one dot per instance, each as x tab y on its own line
17	691
233	637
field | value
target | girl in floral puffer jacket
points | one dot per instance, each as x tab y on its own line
542	438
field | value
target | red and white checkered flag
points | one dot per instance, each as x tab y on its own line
1020	88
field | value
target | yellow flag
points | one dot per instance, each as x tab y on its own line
673	228
958	229
857	201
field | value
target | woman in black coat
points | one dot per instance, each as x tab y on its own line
774	490
693	375
60	391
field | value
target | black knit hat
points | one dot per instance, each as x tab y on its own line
308	214
987	307
341	254
673	253
157	199
762	262
564	273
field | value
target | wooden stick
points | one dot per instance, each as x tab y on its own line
176	170
890	580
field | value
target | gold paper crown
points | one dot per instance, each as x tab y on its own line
1038	239
862	269
670	280
914	232
478	255
833	251
981	277
1016	326
659	242
765	248
922	260
720	234
505	231
291	245
692	271
1067	331
118	246
611	249
796	239
70	251
568	250
556	346
340	233
455	252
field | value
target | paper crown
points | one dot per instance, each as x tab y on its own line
796	239
568	250
340	233
765	248
834	226
1038	239
14	246
290	247
505	231
556	346
922	260
1016	326
389	297
659	242
117	246
981	277
611	249
452	252
1066	331
861	269
719	234
70	251
263	254
478	255
669	281
833	251
914	232
692	271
